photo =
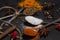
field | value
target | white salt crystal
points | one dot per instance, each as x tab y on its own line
32	20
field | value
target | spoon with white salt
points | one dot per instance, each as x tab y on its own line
36	21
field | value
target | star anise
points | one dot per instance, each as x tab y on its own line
44	31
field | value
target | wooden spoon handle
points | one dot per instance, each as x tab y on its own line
7	31
52	22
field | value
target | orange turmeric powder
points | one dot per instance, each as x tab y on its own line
29	4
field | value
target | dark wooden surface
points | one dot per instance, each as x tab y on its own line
54	34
